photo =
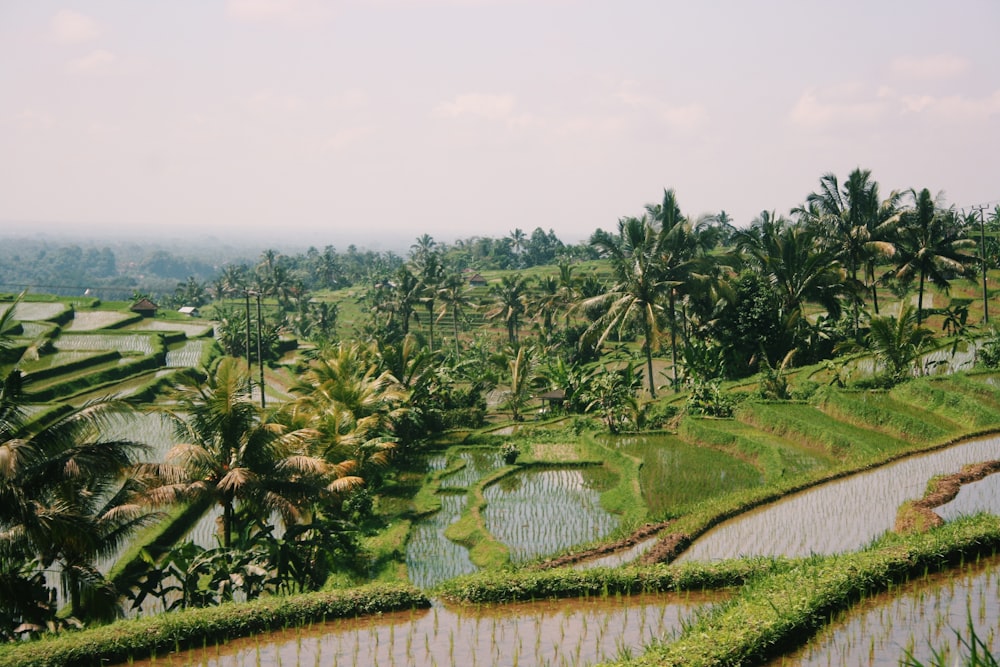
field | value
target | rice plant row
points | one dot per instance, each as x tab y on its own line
564	633
838	516
538	512
927	615
430	556
123	342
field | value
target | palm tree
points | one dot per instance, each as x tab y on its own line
454	297
68	494
510	302
677	248
232	453
352	406
639	283
521	366
797	264
932	246
546	302
856	222
898	341
430	271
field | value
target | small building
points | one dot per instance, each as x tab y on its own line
477	281
190	311
554	398
144	307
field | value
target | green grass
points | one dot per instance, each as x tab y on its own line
774	456
675	475
805	423
881	412
777	612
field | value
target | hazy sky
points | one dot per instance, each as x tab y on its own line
374	121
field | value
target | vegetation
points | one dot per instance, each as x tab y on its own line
372	364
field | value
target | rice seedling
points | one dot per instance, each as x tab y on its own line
567	633
90	320
122	342
190	329
927	621
186	355
980	496
478	464
430	556
36	310
538	512
675	474
838	516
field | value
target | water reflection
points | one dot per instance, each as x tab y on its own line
839	516
564	632
912	617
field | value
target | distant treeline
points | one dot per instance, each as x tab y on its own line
122	269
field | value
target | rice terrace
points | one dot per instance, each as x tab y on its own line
679	443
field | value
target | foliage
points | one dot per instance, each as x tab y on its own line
509	452
199	627
897	342
506	586
772	613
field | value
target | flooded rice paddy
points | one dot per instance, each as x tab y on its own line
478	464
577	632
430	556
838	516
539	512
916	616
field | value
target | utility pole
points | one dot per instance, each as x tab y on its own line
260	351
246	293
982	253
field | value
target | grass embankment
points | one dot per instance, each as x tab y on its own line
145	637
774	613
542	449
504	586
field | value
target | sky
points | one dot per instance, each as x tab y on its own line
373	122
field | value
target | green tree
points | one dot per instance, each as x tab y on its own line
232	453
897	342
856	223
454	297
68	495
639	285
510	301
932	246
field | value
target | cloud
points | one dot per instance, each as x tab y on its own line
953	108
939	66
681	117
69	27
267	101
350	99
488	106
348	136
288	12
838	105
92	63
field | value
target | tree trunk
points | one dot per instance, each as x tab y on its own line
920	299
673	342
649	359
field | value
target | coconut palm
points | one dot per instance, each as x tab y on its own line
796	262
932	246
431	273
897	341
68	494
352	405
510	303
454	297
232	453
639	284
546	302
856	223
677	248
